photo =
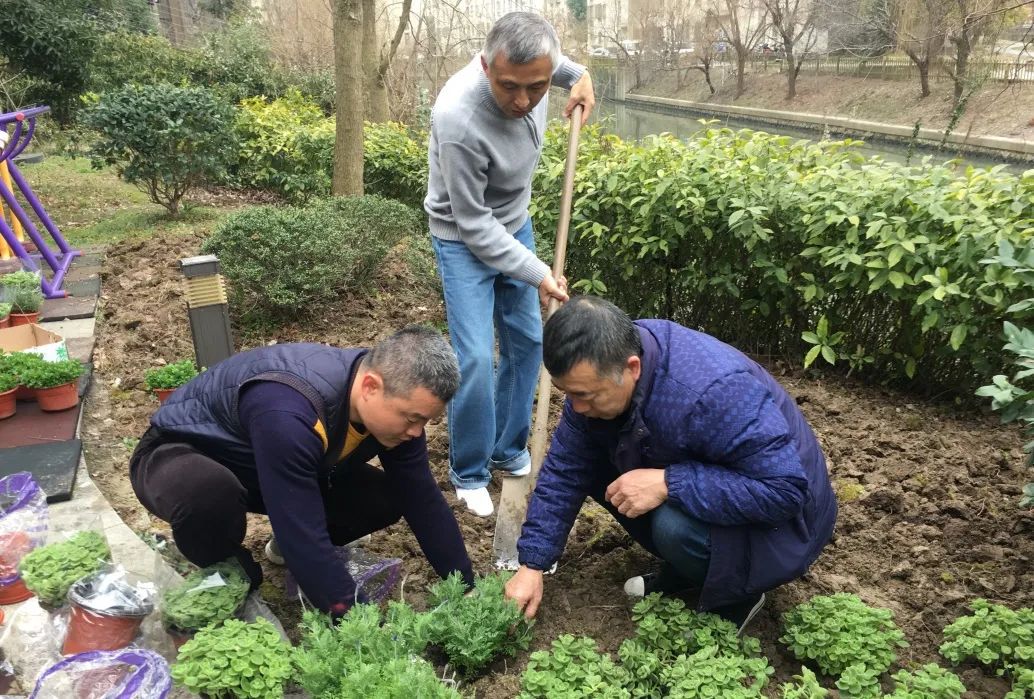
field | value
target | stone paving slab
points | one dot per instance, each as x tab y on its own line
69	308
81	272
68	329
81	348
52	464
90	286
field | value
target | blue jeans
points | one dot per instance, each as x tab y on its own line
681	541
490	415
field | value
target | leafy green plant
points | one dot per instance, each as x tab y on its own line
930	681
395	162
8	379
206	596
860	682
171	375
665	626
804	686
708	674
235	659
573	668
838	631
473	630
279	260
823	342
20	363
22	290
22	279
26	300
365	655
5	310
51	374
164	139
995	636
127	57
50	570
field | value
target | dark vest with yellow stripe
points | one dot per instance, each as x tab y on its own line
203	412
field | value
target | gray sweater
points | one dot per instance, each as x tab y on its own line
481	162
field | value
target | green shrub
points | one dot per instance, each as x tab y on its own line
237	63
573	668
838	631
804	686
5	310
21	363
860	682
995	636
171	375
51	374
129	58
706	674
235	659
365	655
280	260
315	84
22	279
50	570
199	600
928	682
164	139
473	630
8	379
286	145
395	162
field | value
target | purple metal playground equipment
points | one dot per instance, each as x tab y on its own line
59	262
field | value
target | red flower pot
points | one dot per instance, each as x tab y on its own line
13	548
163	394
24	318
59	397
14	592
5	322
89	630
8	403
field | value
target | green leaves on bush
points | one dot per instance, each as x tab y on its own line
395	162
235	659
361	656
22	290
928	682
473	630
17	364
860	682
286	145
171	375
804	686
280	260
166	140
206	596
996	636
51	374
838	631
50	570
125	57
667	627
706	674
573	668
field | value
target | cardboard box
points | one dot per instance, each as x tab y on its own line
32	338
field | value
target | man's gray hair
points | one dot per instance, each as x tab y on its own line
521	37
416	356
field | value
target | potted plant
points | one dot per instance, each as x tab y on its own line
107	610
22	290
56	383
235	660
18	363
50	570
166	379
5	315
8	387
206	596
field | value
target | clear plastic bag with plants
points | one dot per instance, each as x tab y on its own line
375	577
131	673
23	527
49	571
107	610
206	596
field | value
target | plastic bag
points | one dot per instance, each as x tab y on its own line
107	609
30	640
133	673
375	577
23	527
206	596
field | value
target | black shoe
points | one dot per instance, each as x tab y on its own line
666	581
741	613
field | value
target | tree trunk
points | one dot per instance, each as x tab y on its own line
962	51
348	82
923	66
373	87
741	71
792	69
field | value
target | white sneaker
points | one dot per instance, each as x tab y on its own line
477	500
522	471
273	554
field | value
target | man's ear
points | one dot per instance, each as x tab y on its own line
484	65
372	382
635	366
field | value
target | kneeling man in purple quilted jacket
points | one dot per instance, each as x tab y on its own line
695	449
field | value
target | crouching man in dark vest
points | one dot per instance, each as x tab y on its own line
288	431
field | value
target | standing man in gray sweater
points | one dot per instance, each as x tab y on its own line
487	128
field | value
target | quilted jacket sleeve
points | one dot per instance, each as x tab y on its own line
749	471
562	486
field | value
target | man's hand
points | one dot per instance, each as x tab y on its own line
637	492
525	588
583	94
552	288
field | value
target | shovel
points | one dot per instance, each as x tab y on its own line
513	503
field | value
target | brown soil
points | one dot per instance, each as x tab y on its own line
928	517
997	109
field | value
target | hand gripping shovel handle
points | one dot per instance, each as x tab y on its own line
513	503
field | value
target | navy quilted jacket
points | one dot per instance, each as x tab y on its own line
736	451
